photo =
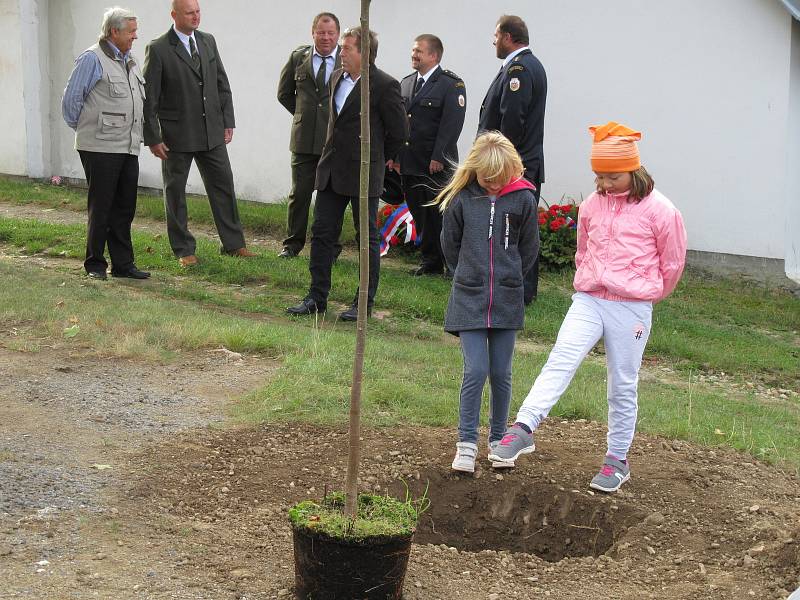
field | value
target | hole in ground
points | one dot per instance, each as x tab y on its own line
519	516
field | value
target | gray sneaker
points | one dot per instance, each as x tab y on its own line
499	464
514	444
465	457
611	476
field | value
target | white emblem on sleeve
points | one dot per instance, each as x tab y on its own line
513	84
462	102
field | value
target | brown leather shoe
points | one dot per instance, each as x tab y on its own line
188	261
241	253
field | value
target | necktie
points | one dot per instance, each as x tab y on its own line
193	52
321	72
418	85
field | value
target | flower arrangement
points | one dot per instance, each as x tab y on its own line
396	226
558	235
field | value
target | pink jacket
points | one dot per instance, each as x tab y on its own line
629	251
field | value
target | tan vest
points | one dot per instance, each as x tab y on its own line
111	118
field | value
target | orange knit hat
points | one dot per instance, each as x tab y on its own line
614	148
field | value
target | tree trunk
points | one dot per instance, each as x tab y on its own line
351	484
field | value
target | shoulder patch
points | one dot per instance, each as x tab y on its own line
515	68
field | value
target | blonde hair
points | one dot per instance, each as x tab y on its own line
642	185
493	157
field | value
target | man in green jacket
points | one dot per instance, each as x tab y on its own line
303	91
188	117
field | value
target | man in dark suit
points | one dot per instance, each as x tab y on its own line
514	106
338	172
188	115
303	90
435	102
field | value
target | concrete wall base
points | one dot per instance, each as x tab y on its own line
769	272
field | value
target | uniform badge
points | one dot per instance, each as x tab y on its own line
513	85
462	102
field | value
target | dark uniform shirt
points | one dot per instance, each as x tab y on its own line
436	117
514	106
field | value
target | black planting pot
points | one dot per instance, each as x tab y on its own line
331	569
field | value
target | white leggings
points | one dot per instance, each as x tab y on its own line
624	327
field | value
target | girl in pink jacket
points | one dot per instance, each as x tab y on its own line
631	253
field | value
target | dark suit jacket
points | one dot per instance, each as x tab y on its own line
186	109
299	94
339	165
514	106
436	116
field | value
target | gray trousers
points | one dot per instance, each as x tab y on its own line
487	353
215	170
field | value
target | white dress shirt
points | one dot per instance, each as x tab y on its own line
185	41
426	76
346	85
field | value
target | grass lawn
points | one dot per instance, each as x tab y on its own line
412	372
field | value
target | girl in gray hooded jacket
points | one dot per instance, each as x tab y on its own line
490	239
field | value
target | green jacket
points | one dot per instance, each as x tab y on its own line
298	93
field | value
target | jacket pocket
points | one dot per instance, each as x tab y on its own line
430	102
112	126
511	282
118	86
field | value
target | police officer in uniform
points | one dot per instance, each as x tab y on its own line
514	106
303	91
435	101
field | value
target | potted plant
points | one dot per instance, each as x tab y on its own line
351	546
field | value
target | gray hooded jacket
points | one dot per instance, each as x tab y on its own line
489	244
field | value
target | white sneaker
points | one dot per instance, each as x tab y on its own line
499	464
465	457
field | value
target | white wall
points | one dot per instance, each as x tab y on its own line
12	106
792	191
707	83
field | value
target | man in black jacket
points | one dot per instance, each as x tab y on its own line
188	115
435	101
514	106
338	170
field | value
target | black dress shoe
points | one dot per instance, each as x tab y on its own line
424	270
307	306
132	273
351	314
288	253
101	275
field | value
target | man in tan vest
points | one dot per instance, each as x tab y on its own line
303	91
103	103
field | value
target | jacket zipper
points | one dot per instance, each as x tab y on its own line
615	208
491	263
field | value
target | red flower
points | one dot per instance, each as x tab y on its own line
566	209
553	210
388	210
393	241
557	224
542	218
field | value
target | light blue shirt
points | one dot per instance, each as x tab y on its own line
185	41
84	77
346	85
511	56
316	62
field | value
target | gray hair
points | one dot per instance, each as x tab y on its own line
115	17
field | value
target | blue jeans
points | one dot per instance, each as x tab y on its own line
487	353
